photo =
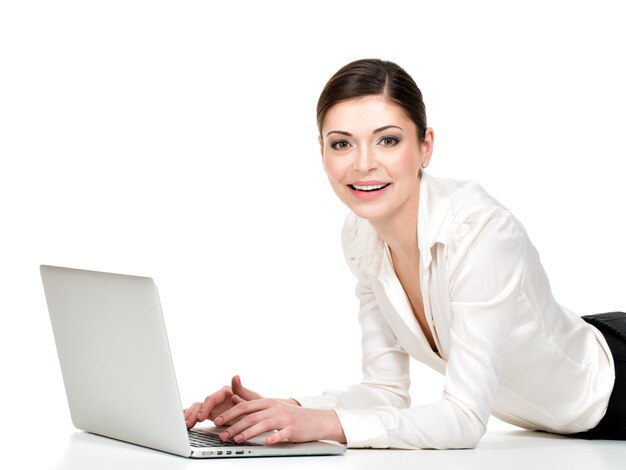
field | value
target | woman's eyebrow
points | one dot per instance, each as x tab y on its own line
384	128
375	131
339	132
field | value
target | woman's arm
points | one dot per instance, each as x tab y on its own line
486	266
385	365
291	422
486	271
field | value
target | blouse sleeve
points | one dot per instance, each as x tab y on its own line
385	369
386	380
485	260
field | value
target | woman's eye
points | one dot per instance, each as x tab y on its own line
388	141
340	145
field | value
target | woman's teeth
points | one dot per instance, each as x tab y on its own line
373	187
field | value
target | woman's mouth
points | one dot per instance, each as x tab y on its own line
368	191
369	187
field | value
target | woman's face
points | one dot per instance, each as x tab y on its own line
372	156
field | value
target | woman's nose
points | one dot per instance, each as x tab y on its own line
364	160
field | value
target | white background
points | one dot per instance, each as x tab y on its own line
178	140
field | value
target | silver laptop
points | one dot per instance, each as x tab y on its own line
118	371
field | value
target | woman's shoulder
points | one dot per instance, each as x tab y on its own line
458	212
465	202
464	196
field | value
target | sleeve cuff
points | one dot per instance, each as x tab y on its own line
363	429
323	402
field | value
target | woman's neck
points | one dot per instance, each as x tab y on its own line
399	231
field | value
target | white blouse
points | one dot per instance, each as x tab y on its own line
506	347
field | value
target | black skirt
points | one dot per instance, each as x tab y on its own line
612	325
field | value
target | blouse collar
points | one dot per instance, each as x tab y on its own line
434	216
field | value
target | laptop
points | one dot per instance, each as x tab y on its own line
118	372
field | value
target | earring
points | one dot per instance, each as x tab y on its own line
424	165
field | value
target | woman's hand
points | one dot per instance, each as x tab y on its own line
249	418
217	403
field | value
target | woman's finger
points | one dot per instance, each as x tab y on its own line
264	425
212	401
243	392
280	435
236	399
241	409
190	411
191	415
251	425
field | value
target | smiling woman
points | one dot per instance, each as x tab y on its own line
375	133
447	276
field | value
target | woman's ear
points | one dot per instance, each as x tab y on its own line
426	146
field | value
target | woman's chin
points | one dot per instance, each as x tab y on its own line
368	212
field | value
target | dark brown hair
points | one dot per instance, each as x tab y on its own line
374	77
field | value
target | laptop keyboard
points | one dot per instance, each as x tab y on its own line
204	439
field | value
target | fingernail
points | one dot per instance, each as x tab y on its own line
218	421
238	438
224	436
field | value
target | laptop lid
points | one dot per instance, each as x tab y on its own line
115	358
117	367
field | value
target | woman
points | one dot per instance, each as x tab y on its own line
447	276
